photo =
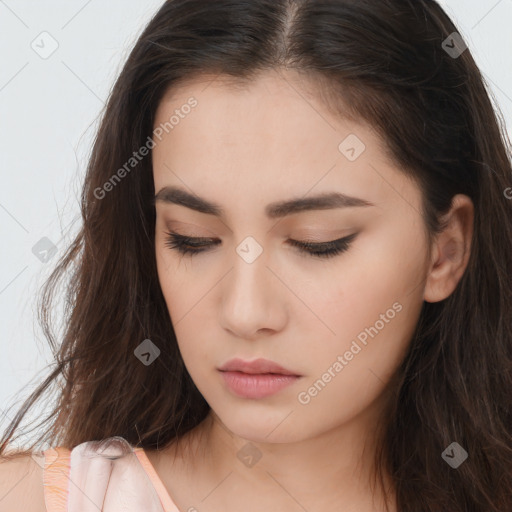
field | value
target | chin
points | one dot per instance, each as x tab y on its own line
263	427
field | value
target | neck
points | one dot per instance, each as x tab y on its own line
335	466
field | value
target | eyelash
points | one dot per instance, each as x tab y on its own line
182	244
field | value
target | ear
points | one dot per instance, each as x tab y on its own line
450	250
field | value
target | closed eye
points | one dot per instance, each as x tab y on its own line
191	246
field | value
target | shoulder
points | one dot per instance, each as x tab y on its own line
21	483
104	471
39	481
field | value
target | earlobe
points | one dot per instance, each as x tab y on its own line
451	250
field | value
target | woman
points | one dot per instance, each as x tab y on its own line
292	286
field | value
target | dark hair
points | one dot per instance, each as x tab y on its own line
380	61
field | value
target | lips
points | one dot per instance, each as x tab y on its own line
258	366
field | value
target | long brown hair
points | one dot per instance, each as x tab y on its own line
389	62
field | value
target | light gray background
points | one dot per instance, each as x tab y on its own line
48	111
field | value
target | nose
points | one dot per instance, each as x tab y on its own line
253	299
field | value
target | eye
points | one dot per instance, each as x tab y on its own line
187	245
190	246
325	249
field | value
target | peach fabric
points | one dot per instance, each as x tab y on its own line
55	472
94	483
166	500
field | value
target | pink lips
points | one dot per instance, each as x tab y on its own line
256	379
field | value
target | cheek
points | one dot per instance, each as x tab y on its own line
176	280
349	374
183	296
367	307
350	369
175	289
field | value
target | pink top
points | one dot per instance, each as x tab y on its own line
117	478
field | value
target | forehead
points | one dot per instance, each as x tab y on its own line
271	137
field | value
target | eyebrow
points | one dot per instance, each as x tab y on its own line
326	201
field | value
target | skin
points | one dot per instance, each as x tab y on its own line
244	148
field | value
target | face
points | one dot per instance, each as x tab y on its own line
339	313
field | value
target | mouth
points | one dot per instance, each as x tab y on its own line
256	379
258	366
257	385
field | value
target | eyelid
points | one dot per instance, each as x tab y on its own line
187	226
191	246
316	241
310	241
